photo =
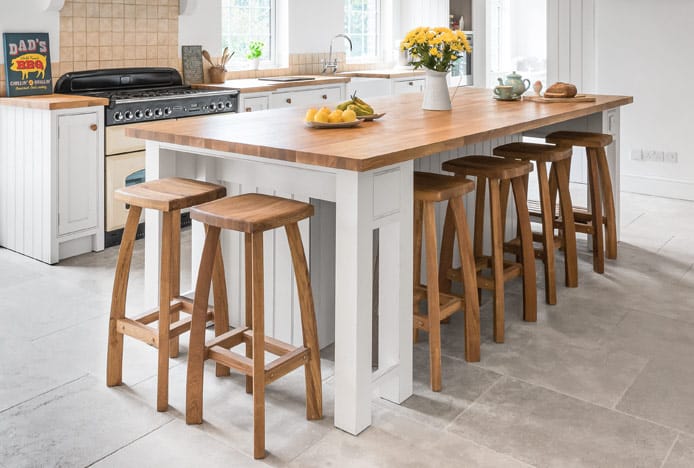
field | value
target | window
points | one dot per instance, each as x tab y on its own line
362	18
244	21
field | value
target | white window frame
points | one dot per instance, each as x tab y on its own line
380	48
239	60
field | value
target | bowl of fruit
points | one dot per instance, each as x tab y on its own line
363	110
346	114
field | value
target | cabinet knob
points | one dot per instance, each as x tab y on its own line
93	127
289	100
325	96
248	109
411	83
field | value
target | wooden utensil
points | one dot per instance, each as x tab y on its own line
206	54
224	56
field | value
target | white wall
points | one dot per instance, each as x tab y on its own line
643	49
202	26
30	16
313	23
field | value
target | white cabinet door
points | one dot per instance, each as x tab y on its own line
329	96
252	104
369	87
413	85
78	163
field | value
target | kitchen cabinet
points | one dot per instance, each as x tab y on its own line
254	102
407	85
316	96
51	178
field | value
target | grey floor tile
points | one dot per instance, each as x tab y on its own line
397	441
194	448
664	392
544	428
74	425
682	455
28	370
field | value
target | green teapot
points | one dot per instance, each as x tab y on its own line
519	84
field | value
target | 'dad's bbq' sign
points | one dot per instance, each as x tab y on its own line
27	64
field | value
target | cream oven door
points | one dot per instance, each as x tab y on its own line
122	170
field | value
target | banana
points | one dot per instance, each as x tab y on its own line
343	105
358	110
363	104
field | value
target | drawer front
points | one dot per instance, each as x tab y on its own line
117	142
314	97
253	104
408	86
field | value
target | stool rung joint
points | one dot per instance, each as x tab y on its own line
285	364
138	330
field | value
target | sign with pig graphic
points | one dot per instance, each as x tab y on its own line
27	64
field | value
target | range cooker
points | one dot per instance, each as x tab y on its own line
138	95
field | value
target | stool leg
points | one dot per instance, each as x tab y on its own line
607	203
248	254
258	346
314	391
196	346
221	305
596	213
561	170
528	254
114	360
497	259
553	188
175	275
478	237
467	270
165	287
547	233
417	259
433	306
446	258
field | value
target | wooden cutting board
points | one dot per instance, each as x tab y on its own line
577	98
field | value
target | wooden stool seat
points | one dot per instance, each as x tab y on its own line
253	214
533	152
558	158
585	139
441	304
500	174
487	167
601	198
439	187
170	194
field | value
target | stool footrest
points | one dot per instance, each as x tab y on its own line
285	364
448	305
276	347
138	330
511	270
229	339
231	359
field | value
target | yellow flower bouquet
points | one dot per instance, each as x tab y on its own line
435	48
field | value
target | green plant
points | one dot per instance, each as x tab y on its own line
255	50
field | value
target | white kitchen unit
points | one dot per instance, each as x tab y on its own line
369	87
251	102
407	85
51	179
327	95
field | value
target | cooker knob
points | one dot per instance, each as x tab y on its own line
220	105
148	113
158	112
228	104
128	115
118	116
138	114
167	111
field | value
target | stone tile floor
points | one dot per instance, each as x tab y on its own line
604	378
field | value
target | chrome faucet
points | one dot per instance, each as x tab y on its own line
331	64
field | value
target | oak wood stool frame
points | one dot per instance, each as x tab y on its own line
253	214
601	196
169	196
430	189
558	158
496	172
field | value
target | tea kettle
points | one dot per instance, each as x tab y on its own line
519	84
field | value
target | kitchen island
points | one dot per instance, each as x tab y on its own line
361	182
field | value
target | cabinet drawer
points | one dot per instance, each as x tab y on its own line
408	86
252	104
314	97
117	142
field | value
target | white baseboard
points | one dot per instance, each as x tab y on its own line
658	186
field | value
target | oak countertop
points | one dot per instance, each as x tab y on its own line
54	101
406	131
385	73
254	85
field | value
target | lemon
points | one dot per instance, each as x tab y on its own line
322	116
310	114
349	116
335	116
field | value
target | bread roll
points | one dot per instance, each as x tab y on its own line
561	90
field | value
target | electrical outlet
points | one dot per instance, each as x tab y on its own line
671	156
636	155
649	155
659	156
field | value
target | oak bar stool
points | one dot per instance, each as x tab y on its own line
559	158
428	190
600	194
253	214
169	196
499	173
